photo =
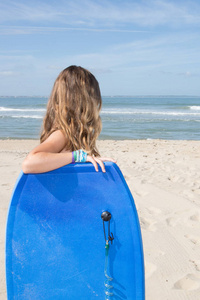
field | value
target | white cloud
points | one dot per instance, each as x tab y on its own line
189	74
8	73
18	58
103	13
32	11
18	30
157	52
151	52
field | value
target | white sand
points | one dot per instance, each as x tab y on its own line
164	178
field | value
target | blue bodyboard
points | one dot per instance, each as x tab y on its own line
55	246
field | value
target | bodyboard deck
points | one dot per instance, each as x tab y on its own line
55	247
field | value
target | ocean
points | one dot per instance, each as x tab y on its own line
123	117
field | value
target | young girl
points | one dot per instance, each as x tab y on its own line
71	125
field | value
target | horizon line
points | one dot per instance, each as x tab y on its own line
111	96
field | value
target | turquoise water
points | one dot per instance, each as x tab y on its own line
138	117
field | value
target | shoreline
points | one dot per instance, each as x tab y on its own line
164	178
148	139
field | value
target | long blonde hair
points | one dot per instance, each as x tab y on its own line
74	107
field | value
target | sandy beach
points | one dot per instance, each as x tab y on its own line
164	179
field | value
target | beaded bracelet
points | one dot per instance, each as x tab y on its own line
79	156
73	161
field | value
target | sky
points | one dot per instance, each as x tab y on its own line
147	47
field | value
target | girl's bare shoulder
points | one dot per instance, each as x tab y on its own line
55	143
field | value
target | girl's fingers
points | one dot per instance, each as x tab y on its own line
92	160
101	164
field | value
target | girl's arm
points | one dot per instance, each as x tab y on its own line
48	156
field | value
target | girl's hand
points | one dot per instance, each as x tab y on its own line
99	160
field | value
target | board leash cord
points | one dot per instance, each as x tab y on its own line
107	282
106	216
